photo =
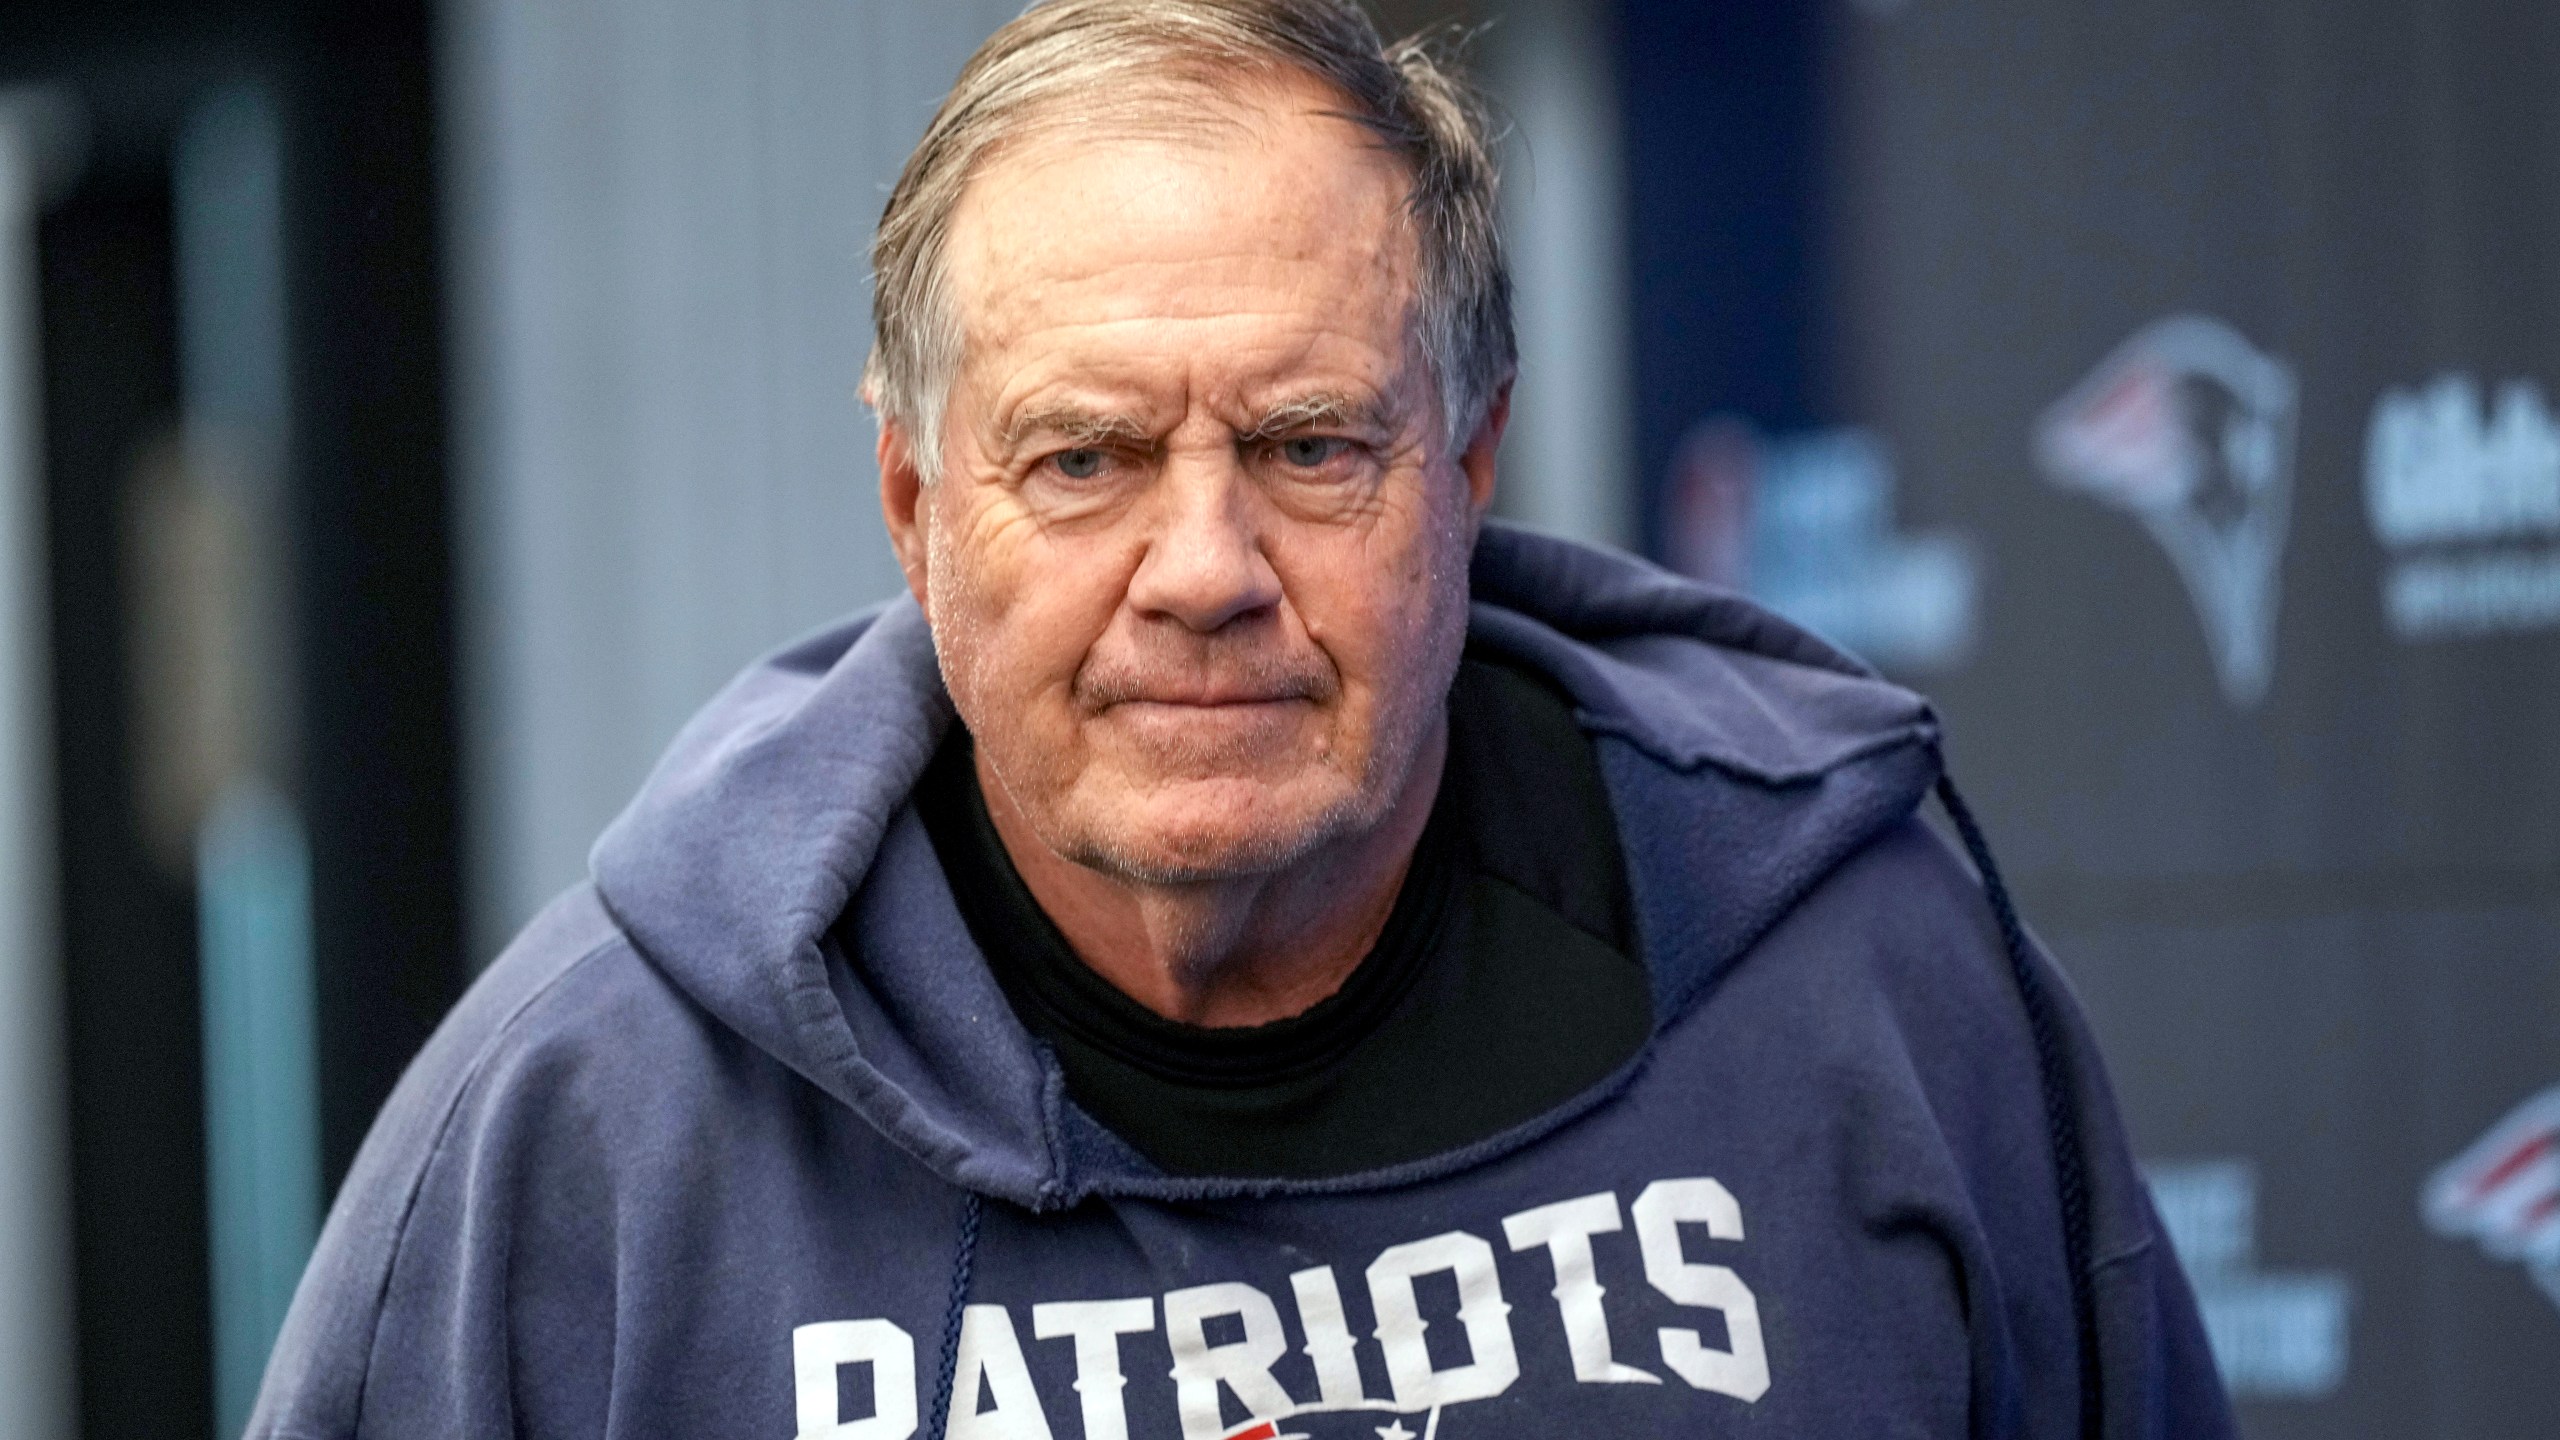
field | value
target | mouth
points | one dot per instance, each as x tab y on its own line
1183	724
1208	702
1259	685
1149	712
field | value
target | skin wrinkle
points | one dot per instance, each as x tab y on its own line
1207	682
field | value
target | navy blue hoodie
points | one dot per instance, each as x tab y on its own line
677	1166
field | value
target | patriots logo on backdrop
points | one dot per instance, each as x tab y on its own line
2504	1192
2189	427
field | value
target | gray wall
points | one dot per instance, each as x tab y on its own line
1568	461
36	1342
660	213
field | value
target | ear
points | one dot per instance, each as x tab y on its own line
902	492
1478	459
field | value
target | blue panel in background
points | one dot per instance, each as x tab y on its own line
261	1082
1721	104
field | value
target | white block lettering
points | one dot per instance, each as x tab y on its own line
1566	1228
818	1352
1329	1343
1492	1364
1096	1326
991	1358
1742	1371
1243	1366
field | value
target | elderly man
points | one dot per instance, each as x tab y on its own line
1248	948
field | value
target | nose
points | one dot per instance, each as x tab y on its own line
1204	567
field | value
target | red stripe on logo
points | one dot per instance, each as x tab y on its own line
2514	1165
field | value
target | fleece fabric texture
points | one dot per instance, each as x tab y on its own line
668	1170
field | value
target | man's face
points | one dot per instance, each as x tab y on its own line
1196	563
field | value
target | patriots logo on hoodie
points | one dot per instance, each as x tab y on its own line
2504	1191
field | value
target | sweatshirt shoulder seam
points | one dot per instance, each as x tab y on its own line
472	1071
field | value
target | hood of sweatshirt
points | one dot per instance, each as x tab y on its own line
1744	757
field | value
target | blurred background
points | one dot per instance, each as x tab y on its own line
409	413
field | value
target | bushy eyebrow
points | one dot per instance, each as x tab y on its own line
1324	408
1077	425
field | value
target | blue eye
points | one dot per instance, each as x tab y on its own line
1309	451
1081	464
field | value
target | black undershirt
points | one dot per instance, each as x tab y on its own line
1503	984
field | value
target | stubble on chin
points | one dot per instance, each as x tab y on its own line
1176	856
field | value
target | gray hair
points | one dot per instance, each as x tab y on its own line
1058	57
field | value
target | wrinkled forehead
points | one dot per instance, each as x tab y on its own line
1185	203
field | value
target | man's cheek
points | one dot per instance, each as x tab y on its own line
992	582
1371	616
992	541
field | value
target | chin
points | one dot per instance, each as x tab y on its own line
1213	830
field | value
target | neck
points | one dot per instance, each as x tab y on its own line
1231	952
